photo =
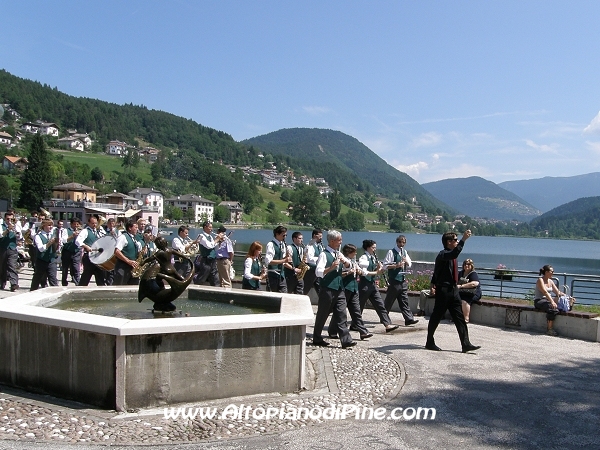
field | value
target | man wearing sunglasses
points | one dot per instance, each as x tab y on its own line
444	285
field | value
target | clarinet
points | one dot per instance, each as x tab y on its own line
385	280
263	271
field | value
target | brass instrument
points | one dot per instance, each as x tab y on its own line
138	271
27	237
303	266
101	221
46	213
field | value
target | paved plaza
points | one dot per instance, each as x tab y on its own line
520	390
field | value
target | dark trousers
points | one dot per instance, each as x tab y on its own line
398	290
332	300
206	271
367	290
276	283
8	267
293	284
89	269
352	300
183	267
123	274
71	263
310	281
44	270
447	299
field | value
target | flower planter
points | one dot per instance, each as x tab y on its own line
503	277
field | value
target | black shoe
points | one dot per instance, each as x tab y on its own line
470	348
420	313
320	343
349	344
411	322
14	287
365	336
433	347
391	328
333	336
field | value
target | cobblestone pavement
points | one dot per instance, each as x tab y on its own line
521	390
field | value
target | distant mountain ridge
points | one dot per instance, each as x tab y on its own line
579	218
477	197
549	192
318	147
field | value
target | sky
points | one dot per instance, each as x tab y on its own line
505	90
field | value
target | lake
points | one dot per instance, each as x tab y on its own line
566	256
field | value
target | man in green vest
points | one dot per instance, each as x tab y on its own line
397	262
127	250
296	250
10	233
46	243
71	254
332	297
206	263
86	238
313	250
276	256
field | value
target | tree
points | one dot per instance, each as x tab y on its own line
271	206
335	205
36	180
355	221
221	214
285	195
382	215
97	175
306	205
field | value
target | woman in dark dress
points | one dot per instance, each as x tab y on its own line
469	288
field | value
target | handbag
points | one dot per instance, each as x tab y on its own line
471	291
231	272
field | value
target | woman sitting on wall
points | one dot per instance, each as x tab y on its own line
470	288
544	288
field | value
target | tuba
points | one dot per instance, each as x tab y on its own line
46	213
101	221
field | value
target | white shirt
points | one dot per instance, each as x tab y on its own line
270	253
205	242
180	243
322	261
37	240
122	242
389	258
310	253
247	269
84	234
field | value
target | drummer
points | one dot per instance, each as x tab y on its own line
111	230
90	234
127	251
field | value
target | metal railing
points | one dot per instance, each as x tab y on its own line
521	284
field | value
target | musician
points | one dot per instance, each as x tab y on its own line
46	242
276	255
291	270
33	226
150	241
71	254
397	261
127	250
254	271
224	259
332	297
10	233
141	223
90	234
206	262
367	286
110	229
349	279
313	250
183	243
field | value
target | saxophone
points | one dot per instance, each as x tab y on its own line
303	266
138	271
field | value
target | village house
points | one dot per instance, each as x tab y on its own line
150	198
5	139
14	163
40	127
116	148
203	208
150	154
235	211
75	192
72	143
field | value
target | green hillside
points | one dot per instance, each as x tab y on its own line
319	150
576	219
477	197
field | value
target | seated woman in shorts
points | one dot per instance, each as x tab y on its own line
544	288
470	289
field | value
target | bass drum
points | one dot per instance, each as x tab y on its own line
103	253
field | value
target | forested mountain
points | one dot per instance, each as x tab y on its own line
549	192
327	152
576	219
477	197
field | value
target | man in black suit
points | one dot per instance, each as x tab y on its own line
444	287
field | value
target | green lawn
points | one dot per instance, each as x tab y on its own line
105	162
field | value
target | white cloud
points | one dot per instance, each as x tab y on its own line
316	110
427	139
593	146
414	170
552	148
594	126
